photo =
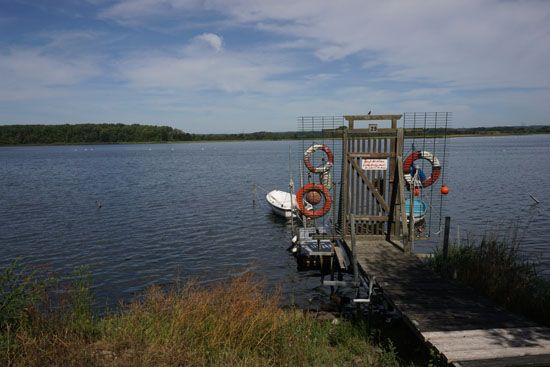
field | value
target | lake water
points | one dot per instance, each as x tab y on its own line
139	215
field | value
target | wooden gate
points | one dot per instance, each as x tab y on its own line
372	179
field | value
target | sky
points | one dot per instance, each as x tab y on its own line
214	66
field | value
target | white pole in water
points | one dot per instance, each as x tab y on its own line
534	198
254	194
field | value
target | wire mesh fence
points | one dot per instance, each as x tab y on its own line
327	131
423	131
427	132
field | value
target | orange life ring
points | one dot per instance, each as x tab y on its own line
321	189
419	154
309	152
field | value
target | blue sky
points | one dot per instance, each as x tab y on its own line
244	65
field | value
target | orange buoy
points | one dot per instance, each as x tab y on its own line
313	197
417	192
444	189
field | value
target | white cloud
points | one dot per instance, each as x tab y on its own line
28	73
484	44
130	11
68	39
484	60
206	69
210	39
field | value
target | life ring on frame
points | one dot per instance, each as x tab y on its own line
312	149
422	154
322	190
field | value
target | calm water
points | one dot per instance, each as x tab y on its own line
491	179
182	210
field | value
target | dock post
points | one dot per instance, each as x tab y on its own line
446	242
353	250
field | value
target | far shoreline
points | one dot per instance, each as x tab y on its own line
480	135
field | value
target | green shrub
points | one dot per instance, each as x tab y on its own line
498	269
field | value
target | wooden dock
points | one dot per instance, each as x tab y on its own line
462	325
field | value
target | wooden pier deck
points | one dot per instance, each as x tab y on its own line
462	325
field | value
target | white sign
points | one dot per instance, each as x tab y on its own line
374	164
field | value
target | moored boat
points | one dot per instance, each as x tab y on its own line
419	208
283	203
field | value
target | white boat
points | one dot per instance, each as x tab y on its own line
283	203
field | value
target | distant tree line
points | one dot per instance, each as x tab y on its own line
120	133
496	130
88	133
516	130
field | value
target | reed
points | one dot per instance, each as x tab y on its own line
231	323
497	268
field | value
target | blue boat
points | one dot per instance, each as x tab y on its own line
419	208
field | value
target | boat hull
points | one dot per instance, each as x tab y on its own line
281	212
282	203
419	209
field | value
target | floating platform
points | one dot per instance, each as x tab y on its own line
313	253
467	328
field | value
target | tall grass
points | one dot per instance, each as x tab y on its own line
234	323
497	268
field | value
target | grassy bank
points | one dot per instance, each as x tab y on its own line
237	323
496	268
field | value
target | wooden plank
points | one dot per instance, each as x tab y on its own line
388	173
373	155
358	184
370	199
342	257
364	194
479	354
384	185
527	361
352	181
371	117
395	185
380	133
378	185
374	218
371	187
407	242
492	344
414	287
537	331
442	311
